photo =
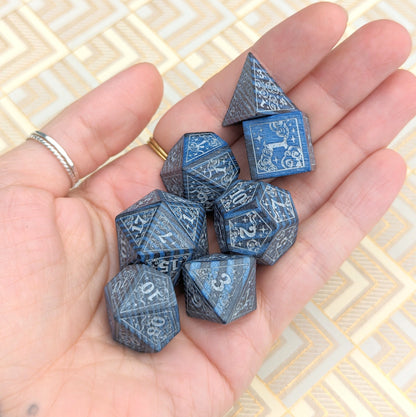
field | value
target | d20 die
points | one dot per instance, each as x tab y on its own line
279	145
220	288
142	308
200	167
257	94
256	219
162	230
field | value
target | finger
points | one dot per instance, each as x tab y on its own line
99	125
327	238
347	75
291	49
372	125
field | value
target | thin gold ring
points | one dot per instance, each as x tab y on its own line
157	148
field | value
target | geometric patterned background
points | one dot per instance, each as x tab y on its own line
352	349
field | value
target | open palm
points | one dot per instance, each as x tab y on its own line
58	247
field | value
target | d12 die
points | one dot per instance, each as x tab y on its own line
256	219
162	230
220	288
257	94
200	167
279	145
142	308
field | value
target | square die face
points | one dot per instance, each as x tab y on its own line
278	145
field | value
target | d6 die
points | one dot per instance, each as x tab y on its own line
142	308
279	145
220	288
200	167
256	219
162	230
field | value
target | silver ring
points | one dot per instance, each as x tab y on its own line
53	146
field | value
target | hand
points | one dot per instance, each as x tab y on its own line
58	247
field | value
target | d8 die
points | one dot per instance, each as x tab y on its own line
142	308
220	288
200	167
256	219
257	94
279	145
162	230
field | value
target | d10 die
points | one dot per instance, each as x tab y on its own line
142	308
279	145
200	167
256	219
257	94
220	288
162	230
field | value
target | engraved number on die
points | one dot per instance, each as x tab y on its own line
149	289
155	328
220	283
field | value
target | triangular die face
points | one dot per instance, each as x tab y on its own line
136	223
155	328
247	299
242	105
188	216
196	305
257	94
220	283
202	248
149	290
200	192
124	336
126	253
269	96
219	170
165	235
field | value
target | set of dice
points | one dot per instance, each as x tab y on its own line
163	240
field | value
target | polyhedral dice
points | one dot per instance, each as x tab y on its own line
142	308
257	94
256	219
200	167
220	288
162	230
279	145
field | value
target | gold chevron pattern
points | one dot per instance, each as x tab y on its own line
352	350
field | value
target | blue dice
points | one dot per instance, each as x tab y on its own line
279	145
200	167
256	219
257	94
162	230
142	308
220	288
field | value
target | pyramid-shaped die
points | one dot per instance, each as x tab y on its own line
219	287
162	230
142	308
279	145
200	167
256	219
257	94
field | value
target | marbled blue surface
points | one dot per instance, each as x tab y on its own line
257	94
256	219
162	230
279	145
142	308
200	167
220	288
